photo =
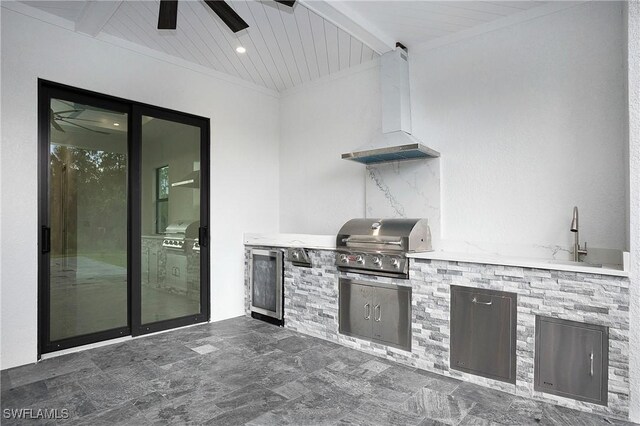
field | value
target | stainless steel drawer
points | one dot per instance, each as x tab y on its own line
483	333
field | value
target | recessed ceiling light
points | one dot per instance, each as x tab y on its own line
240	49
116	124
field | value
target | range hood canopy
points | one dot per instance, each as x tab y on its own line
396	142
397	146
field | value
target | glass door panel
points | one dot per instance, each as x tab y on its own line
171	210
87	219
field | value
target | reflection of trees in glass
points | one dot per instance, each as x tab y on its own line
162	199
163	182
91	194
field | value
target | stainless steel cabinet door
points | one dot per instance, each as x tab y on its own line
571	359
356	312
483	334
391	316
176	272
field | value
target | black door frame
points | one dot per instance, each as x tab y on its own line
48	90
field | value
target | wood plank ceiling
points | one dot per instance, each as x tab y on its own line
284	47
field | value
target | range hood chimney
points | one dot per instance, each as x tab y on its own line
396	142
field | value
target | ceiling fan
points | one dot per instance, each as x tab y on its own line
69	117
168	16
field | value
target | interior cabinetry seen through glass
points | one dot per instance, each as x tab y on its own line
162	199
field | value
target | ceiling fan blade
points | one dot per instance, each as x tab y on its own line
286	3
168	15
81	119
85	128
53	121
67	111
227	14
56	126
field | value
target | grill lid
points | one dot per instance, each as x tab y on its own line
183	229
396	235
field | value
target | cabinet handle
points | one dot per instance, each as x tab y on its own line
367	311
591	364
489	303
379	316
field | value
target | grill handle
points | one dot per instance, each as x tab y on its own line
203	236
360	241
46	239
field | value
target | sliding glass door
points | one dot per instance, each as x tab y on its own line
86	236
173	206
123	218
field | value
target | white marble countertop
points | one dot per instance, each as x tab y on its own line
557	265
320	242
328	242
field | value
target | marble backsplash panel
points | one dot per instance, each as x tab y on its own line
405	189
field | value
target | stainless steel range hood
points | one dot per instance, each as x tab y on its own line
396	142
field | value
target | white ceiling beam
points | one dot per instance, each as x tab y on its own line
95	16
496	24
344	17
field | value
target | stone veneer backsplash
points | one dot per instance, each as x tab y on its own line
311	307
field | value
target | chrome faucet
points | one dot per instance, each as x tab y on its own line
577	251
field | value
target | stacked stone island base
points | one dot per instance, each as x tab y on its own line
311	307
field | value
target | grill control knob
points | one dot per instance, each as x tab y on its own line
296	255
377	261
344	258
360	259
395	263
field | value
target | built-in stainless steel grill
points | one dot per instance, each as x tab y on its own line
379	246
180	233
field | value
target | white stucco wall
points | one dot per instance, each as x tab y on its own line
319	192
529	121
244	157
633	58
528	118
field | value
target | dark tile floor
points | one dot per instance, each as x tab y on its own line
243	371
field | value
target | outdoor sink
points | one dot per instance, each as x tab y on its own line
572	262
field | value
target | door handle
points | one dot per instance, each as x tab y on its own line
591	364
203	236
367	311
46	239
475	300
378	317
